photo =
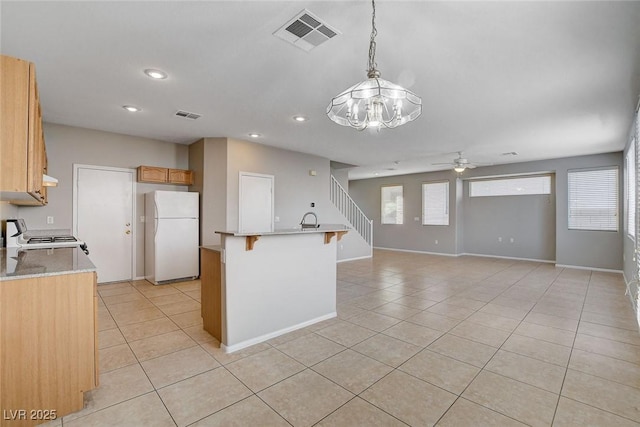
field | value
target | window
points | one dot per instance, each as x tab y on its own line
593	199
511	186
435	203
630	195
392	201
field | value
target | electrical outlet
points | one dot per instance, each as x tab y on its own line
436	241
416	218
511	240
142	218
49	220
277	219
500	239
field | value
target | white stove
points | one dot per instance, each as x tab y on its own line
18	237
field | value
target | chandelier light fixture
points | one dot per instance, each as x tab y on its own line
375	102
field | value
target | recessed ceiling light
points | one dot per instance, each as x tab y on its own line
254	135
131	108
155	74
300	118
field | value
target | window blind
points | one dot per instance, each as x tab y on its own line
511	186
435	203
593	199
392	204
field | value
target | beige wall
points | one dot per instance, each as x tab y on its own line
67	145
220	161
592	249
208	160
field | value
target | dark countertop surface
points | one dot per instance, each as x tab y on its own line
324	228
18	263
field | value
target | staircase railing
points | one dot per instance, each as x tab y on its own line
354	215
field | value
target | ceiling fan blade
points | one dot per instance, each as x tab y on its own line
470	166
442	164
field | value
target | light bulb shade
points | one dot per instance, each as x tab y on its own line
459	168
374	102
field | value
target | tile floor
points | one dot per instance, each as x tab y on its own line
419	340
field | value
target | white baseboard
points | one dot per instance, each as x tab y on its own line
355	258
265	337
510	257
415	252
581	267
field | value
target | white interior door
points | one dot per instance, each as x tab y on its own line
256	202
104	219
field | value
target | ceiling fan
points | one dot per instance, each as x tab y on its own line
459	164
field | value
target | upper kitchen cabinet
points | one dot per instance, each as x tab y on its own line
180	176
158	175
23	154
152	174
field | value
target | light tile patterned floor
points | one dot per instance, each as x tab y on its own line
420	340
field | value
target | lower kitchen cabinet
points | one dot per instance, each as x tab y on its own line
211	291
48	346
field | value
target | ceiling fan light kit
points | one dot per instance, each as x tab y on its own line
459	168
374	102
460	164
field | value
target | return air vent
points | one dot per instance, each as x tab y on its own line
188	115
306	31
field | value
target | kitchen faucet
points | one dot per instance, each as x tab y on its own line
305	225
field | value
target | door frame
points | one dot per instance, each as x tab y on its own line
74	223
272	178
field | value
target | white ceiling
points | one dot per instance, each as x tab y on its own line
543	79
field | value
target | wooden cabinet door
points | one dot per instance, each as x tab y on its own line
14	117
180	176
22	153
36	155
152	174
47	343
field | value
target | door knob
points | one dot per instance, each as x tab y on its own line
128	224
128	232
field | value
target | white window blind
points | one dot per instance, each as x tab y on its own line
519	186
435	203
392	204
630	195
593	199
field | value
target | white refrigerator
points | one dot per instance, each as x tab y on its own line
171	236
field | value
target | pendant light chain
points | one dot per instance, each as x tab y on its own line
372	43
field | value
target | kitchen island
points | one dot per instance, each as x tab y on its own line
48	333
256	286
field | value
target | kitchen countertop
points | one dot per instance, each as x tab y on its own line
214	248
324	228
29	263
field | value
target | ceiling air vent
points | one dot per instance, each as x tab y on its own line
188	115
306	31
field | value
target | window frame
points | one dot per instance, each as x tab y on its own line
617	198
382	205
546	175
447	214
630	190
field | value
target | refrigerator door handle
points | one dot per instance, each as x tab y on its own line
155	220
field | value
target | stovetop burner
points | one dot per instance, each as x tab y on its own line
51	239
